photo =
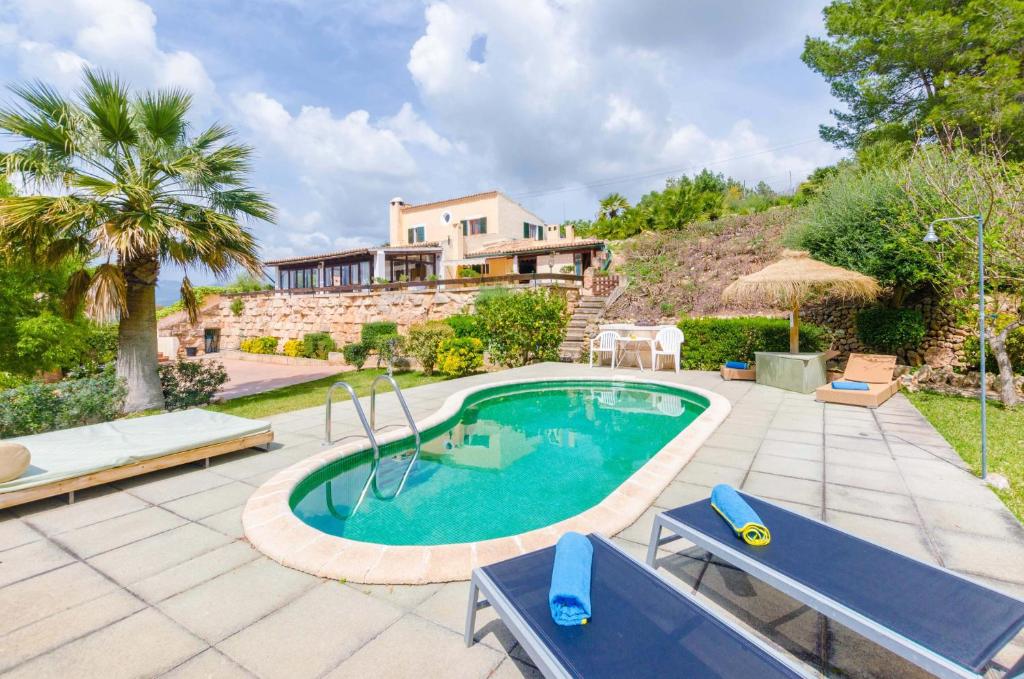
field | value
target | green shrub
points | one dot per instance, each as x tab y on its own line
259	345
318	345
460	356
187	384
371	331
388	348
464	325
237	306
884	329
293	348
1014	348
355	354
37	407
710	342
466	272
424	340
523	327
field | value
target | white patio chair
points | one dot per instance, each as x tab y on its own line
668	342
605	343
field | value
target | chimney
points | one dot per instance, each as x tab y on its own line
395	221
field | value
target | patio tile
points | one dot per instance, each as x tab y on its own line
931	469
194	571
858	460
788	466
153	555
250	465
856	431
172	484
872	479
416	648
30	600
228	522
909	451
851	655
992	557
403	596
967	491
891	506
640	530
855	443
678	494
31	559
794	436
60	628
156	644
793	422
113	533
56	516
512	668
803	451
209	502
739	459
448	608
220	607
291	641
210	664
725	439
974	520
14	533
704	474
899	537
775	487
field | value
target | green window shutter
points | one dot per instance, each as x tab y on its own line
526	229
411	236
465	227
483	225
540	232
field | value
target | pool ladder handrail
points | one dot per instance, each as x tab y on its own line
368	427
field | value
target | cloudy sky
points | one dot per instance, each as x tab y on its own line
557	103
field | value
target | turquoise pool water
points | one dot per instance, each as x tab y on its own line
513	459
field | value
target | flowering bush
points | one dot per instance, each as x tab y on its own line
293	348
460	356
259	345
522	327
424	340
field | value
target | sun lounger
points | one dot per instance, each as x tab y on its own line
72	459
874	370
937	619
641	625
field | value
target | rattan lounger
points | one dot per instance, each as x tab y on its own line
641	626
941	621
72	459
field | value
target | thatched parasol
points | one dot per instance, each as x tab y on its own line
797	278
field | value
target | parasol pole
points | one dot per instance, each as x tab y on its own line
794	328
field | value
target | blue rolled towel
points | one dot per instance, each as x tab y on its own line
740	516
847	385
569	596
738	365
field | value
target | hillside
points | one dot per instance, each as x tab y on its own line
674	273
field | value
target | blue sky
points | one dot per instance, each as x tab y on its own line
556	103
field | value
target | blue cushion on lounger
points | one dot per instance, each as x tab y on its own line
847	385
737	365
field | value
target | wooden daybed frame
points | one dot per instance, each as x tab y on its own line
69	486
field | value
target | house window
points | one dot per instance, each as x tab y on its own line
534	231
474	227
417	234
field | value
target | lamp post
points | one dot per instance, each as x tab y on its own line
932	237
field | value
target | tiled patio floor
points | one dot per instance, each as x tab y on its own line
153	577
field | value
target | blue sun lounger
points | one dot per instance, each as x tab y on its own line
933	617
641	625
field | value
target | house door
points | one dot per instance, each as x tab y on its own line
527	265
211	340
581	260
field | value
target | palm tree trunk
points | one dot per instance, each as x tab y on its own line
136	337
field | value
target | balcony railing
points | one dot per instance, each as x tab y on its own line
471	282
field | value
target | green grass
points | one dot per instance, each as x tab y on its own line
314	393
959	421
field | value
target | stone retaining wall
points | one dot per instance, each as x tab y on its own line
288	316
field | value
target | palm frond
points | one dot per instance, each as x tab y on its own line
44	116
78	288
108	102
163	114
106	298
211	136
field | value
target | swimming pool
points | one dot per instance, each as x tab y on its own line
513	459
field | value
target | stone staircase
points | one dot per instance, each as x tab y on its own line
589	310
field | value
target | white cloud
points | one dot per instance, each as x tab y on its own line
53	39
408	126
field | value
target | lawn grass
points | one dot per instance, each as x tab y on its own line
309	394
958	419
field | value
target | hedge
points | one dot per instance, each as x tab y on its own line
885	329
37	407
710	342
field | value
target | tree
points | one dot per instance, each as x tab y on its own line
121	180
903	67
962	184
612	206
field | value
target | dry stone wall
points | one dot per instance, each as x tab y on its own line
288	316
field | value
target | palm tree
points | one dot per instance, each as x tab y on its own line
122	185
612	206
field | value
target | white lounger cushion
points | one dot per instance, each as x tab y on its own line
68	453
